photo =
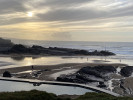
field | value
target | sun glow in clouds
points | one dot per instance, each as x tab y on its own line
29	14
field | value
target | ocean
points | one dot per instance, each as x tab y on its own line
120	48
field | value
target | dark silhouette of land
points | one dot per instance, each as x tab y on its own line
52	51
7	47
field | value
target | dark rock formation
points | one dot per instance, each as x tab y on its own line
7	74
106	53
101	85
127	71
39	50
80	52
98	71
18	48
89	74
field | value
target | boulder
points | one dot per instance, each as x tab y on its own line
7	74
101	85
127	71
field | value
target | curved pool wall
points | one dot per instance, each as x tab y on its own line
9	86
39	82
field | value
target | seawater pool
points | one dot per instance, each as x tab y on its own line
9	86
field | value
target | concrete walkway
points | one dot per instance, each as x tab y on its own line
96	89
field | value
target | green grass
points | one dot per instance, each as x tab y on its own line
41	95
28	95
101	96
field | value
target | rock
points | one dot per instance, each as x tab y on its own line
7	74
106	53
81	52
18	48
37	47
89	74
98	71
126	85
118	90
127	71
101	85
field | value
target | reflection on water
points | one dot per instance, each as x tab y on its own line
7	86
18	58
11	62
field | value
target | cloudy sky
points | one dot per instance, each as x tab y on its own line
68	20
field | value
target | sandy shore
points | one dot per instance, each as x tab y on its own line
47	71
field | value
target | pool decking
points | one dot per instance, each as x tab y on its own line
38	82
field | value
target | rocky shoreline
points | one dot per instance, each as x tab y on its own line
52	51
106	77
89	74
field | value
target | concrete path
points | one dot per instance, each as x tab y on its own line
60	83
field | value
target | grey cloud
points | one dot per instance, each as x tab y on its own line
63	3
9	6
15	21
71	15
66	14
120	12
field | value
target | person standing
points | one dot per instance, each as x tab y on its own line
32	67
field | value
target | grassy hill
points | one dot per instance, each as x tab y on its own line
41	95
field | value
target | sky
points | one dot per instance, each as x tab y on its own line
67	20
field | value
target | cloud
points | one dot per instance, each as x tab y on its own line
64	11
63	3
10	6
71	15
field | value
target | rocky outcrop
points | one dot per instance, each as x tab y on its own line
18	48
89	74
127	71
38	50
98	71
